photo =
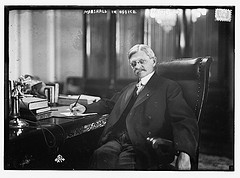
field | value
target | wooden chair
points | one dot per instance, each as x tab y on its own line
193	76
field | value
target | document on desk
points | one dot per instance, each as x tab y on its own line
69	113
64	111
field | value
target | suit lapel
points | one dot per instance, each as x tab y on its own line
126	96
148	90
119	107
122	103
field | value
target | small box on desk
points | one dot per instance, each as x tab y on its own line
84	99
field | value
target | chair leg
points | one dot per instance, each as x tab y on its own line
195	163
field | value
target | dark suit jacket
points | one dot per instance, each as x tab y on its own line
159	111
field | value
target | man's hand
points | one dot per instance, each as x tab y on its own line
78	109
183	162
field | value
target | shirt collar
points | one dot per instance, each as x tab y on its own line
145	79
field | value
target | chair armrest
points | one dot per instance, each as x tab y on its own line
164	149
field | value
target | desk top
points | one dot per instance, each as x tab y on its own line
42	141
69	126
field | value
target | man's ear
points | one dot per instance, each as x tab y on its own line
155	61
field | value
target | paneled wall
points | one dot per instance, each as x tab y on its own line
69	44
129	32
98	57
46	43
20	43
56	44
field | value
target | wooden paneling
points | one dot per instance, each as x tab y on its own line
129	33
69	44
98	59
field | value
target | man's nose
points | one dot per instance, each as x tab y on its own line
138	64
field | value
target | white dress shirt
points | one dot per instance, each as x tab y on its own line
143	81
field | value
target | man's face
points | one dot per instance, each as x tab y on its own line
141	64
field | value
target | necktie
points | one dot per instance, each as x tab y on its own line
139	86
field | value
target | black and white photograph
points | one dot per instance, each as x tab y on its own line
119	88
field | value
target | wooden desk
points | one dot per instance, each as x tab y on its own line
54	143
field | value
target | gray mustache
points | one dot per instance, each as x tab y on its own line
139	70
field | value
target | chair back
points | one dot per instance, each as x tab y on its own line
193	76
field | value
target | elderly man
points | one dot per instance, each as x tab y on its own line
145	114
